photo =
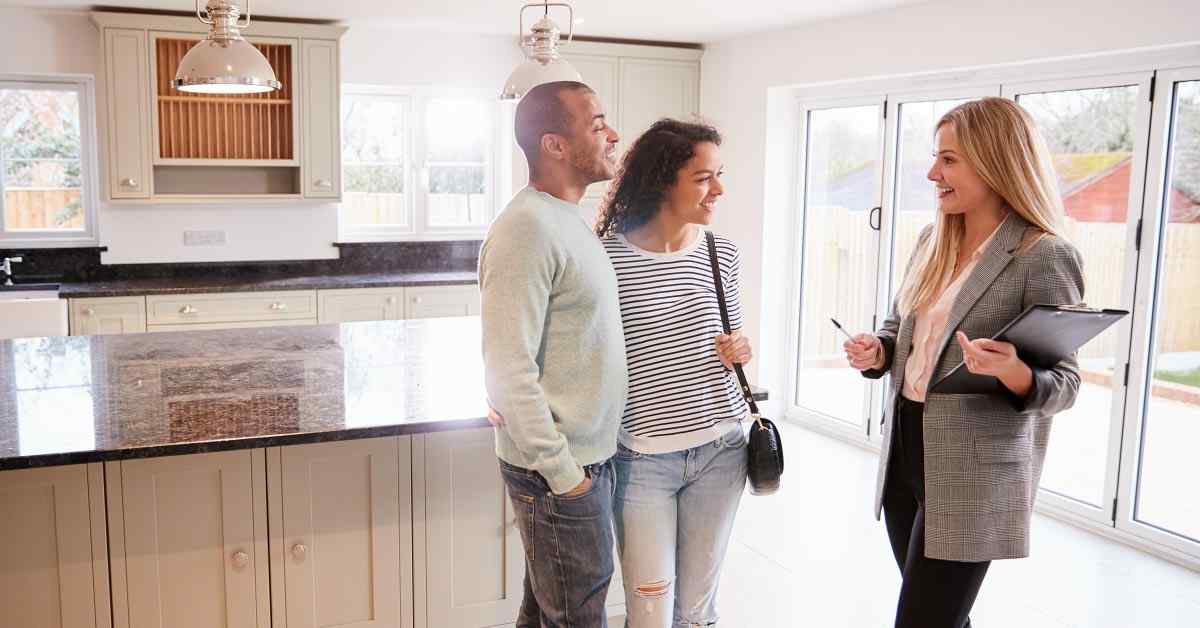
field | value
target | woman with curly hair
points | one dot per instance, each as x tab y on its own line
681	456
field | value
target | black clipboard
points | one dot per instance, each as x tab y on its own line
1043	335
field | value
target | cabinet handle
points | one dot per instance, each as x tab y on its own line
299	550
278	307
324	184
187	309
241	558
129	183
87	311
417	300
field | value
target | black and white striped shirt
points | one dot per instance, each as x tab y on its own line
680	395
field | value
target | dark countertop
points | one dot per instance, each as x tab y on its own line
191	285
76	399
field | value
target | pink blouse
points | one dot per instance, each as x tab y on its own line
930	329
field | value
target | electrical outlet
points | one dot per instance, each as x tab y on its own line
214	237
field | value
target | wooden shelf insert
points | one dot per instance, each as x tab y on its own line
228	126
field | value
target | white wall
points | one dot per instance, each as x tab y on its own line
941	35
67	42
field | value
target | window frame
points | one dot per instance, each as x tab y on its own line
84	87
497	175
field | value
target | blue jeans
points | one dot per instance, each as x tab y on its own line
568	548
674	515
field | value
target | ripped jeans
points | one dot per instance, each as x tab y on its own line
674	515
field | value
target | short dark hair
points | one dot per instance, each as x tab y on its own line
649	169
543	111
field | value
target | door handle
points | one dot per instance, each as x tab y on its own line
875	218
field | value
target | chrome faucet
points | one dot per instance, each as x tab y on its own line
6	268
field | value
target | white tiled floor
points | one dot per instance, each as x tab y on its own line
812	555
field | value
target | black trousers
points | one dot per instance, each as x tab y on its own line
935	593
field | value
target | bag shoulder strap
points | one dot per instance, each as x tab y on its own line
716	273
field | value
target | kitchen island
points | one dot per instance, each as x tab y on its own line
287	477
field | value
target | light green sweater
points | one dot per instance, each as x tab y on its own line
553	349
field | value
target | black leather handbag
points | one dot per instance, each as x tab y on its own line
764	467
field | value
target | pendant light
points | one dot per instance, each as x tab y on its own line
543	63
223	62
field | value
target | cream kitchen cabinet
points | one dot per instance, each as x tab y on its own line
174	312
54	550
360	304
341	537
322	169
107	315
162	145
378	304
441	301
188	537
473	558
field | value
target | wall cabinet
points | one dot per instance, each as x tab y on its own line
637	85
167	145
53	551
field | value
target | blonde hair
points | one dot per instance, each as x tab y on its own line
999	140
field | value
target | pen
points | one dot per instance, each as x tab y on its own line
842	329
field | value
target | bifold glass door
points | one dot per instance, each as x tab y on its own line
842	170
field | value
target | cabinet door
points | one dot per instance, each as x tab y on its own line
189	546
322	167
126	72
108	315
600	73
650	90
365	304
50	565
346	535
441	301
475	556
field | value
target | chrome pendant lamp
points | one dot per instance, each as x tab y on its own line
542	64
223	62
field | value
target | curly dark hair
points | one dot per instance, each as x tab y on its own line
649	168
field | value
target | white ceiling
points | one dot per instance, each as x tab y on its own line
701	21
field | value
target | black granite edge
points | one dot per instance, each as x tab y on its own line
131	287
232	444
253	442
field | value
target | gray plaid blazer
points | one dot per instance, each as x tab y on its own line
984	453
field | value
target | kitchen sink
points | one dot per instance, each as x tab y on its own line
32	310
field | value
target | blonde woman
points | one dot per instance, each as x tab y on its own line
959	473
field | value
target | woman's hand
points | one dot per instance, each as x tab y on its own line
864	352
495	418
984	356
734	349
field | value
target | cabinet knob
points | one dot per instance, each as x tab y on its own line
129	183
391	300
299	550
324	184
88	311
187	309
241	558
416	299
278	306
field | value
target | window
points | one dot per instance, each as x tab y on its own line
420	164
46	143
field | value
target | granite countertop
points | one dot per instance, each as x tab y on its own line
76	399
190	285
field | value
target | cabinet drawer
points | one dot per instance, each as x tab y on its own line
183	309
108	315
441	301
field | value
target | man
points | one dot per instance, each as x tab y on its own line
554	357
